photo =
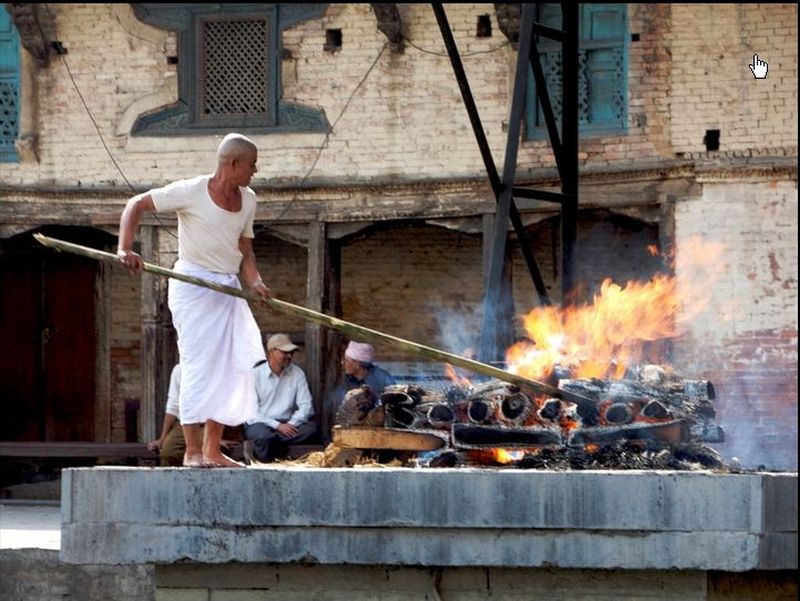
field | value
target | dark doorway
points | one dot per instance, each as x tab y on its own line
47	339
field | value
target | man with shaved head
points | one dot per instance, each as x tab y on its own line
218	338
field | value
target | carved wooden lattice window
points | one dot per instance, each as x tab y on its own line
602	70
9	86
229	68
233	69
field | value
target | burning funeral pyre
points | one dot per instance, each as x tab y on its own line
654	420
613	408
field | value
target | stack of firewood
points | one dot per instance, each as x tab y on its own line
653	408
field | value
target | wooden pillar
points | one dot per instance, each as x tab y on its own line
102	386
315	300
323	295
158	341
27	135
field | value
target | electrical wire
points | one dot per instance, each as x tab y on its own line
465	55
322	146
350	98
96	126
330	131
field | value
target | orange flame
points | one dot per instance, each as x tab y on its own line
506	456
602	338
459	376
452	374
494	456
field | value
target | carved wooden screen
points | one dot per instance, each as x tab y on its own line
234	68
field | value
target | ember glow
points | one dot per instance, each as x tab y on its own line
494	456
454	375
601	339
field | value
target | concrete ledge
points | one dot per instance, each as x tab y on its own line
455	517
38	575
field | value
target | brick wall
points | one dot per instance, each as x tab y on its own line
609	245
418	282
687	73
747	341
712	85
284	267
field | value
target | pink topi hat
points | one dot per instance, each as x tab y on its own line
360	351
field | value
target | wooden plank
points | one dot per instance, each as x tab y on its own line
386	438
75	449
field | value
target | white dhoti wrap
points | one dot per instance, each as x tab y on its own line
218	343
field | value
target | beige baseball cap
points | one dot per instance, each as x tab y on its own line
281	342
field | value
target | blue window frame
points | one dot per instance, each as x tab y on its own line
228	69
602	71
9	87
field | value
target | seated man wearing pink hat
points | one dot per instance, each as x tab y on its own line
359	369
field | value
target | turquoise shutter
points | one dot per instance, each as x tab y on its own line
603	66
9	86
602	70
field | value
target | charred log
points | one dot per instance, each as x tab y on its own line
699	389
402	394
476	437
446	459
400	416
673	392
440	415
550	410
480	411
674	432
516	408
656	410
355	407
697	453
493	389
618	413
708	432
455	394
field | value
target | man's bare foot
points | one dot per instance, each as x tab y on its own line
193	461
220	460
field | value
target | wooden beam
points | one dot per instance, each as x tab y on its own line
31	35
390	24
366	437
75	449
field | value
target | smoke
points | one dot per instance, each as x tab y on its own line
459	332
760	422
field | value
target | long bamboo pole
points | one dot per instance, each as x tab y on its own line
350	329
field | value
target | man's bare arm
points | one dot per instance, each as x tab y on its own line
128	224
249	269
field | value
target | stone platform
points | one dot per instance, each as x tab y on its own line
431	517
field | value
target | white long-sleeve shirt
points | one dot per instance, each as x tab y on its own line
173	405
284	398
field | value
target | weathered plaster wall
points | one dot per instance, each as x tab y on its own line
746	341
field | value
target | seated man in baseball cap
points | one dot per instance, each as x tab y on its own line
285	407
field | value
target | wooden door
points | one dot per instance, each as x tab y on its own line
47	341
